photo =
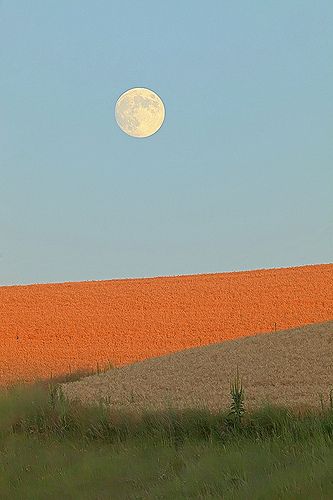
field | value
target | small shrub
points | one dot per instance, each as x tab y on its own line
237	405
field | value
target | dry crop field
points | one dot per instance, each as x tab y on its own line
290	368
52	328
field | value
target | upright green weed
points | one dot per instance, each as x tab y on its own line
237	405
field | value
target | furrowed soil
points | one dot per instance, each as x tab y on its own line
54	328
289	368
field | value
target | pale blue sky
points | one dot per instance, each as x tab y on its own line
240	176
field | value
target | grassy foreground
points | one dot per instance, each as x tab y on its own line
51	448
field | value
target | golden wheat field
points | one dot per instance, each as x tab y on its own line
55	328
289	368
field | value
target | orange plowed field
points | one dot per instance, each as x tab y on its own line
57	327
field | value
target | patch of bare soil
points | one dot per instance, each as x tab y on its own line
288	368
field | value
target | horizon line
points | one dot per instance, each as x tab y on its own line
165	276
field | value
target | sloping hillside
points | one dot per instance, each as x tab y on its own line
289	368
55	327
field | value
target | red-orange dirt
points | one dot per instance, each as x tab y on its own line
56	327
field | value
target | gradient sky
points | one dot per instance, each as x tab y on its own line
239	177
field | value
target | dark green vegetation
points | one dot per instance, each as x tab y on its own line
55	449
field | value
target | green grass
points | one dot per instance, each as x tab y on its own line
51	448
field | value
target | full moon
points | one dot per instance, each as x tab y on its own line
139	112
